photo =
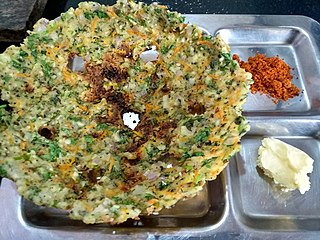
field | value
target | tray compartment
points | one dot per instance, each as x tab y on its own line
204	211
294	46
258	202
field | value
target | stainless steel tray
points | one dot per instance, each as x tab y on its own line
241	203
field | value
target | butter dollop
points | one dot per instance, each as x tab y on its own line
287	165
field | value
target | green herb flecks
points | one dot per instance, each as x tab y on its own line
228	62
82	49
18	65
165	49
198	179
149	196
239	120
188	168
175	18
189	122
75	118
123	201
163	185
208	162
187	155
72	141
152	151
206	37
115	210
202	136
131	19
46	68
35	40
47	176
34	190
229	82
6	78
214	64
137	67
171	14
54	152
3	172
125	135
98	13
116	171
105	126
89	141
101	14
89	15
212	84
23	54
25	157
55	99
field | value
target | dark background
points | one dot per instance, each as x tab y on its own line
310	8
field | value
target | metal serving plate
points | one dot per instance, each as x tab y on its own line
242	203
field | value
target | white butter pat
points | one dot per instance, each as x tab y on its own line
287	165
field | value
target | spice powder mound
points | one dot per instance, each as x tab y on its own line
271	76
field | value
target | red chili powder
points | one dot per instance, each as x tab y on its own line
271	76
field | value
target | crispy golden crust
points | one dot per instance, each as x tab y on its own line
64	141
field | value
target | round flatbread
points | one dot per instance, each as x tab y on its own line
66	89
